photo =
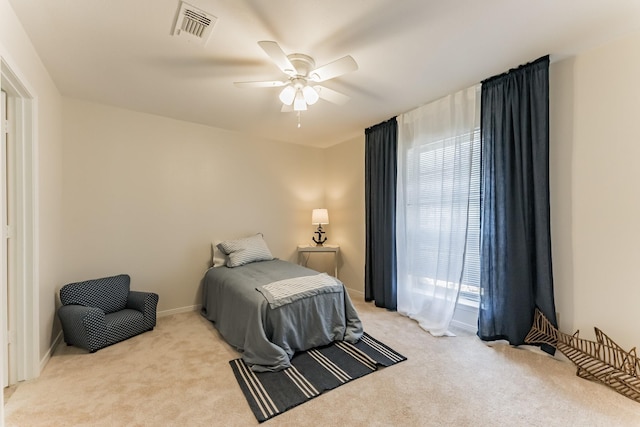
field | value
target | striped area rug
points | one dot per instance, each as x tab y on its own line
312	373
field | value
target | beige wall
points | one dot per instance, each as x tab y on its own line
17	51
595	178
595	202
344	184
561	131
146	195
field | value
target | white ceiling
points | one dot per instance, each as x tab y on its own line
409	52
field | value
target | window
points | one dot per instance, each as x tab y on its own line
433	210
438	215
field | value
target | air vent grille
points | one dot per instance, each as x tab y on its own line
193	23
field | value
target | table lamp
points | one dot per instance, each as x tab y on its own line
319	217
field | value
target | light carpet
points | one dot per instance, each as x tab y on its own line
178	374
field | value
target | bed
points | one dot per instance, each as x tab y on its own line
255	308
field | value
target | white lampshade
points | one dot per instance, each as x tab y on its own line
287	95
319	216
299	104
310	95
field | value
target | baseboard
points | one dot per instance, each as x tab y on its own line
465	316
463	326
178	310
354	292
47	356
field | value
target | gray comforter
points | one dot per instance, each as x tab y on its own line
268	337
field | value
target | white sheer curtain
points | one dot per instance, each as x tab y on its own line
436	145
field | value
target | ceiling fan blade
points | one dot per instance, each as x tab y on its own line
331	95
274	83
278	56
341	66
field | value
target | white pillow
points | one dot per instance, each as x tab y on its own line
218	258
244	251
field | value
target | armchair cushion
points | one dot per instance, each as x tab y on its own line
124	324
100	312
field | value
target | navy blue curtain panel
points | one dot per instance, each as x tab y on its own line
381	152
515	249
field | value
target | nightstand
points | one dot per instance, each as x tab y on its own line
308	249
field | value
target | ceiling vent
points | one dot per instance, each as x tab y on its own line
193	24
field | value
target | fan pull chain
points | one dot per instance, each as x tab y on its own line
299	119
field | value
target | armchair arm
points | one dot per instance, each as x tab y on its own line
83	327
146	302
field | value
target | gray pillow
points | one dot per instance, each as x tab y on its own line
244	251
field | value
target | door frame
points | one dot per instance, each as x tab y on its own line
26	302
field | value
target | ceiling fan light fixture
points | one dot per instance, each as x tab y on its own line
299	104
310	95
300	89
287	95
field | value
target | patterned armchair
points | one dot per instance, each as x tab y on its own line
100	312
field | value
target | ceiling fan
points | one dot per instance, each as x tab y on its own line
300	86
